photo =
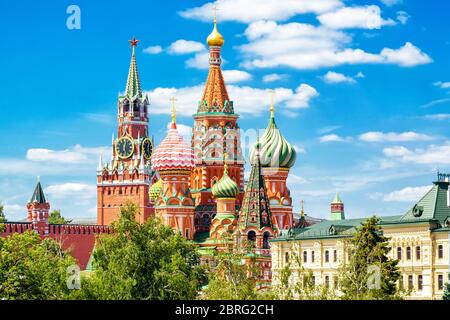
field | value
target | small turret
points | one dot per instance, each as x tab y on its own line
337	208
38	209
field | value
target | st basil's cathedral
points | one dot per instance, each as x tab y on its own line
198	189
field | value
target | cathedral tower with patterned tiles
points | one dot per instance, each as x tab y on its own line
215	132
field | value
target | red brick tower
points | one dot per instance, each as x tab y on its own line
215	131
127	176
38	209
174	160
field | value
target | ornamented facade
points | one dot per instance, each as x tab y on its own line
419	240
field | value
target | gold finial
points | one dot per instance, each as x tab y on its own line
225	165
215	38
272	103
303	208
174	111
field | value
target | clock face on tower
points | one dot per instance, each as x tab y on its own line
147	148
125	147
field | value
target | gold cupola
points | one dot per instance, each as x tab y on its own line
215	38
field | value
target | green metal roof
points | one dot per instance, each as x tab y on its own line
38	194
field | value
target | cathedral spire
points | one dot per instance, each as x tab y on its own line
174	114
133	87
215	95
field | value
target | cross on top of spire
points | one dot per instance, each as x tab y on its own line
272	102
215	9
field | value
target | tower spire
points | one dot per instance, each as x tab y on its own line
272	103
174	113
133	87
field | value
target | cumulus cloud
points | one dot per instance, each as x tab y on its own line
76	154
364	17
442	85
153	50
72	190
249	100
12	210
391	3
334	138
403	17
234	76
247	11
431	155
377	136
304	46
334	77
408	194
185	47
273	77
199	61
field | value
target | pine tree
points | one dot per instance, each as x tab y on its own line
369	261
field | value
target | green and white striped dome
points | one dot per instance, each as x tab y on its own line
274	150
225	187
155	190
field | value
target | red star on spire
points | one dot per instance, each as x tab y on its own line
133	42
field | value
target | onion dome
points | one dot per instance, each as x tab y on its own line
155	190
225	187
274	149
173	152
215	38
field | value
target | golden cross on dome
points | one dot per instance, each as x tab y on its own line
134	42
272	102
215	9
174	111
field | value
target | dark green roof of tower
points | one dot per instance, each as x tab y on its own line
38	194
255	210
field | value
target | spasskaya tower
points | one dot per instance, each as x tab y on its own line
127	175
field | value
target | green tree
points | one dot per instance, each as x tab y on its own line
31	268
56	218
142	261
446	295
2	218
231	274
368	251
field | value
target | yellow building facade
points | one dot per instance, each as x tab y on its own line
419	239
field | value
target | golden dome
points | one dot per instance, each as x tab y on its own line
215	38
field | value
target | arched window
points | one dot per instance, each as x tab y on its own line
335	256
418	253
327	256
408	253
440	251
312	257
286	257
251	237
266	237
305	257
399	253
327	281
205	220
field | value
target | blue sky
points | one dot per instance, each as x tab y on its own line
362	91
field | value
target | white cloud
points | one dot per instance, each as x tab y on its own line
299	149
360	75
408	194
390	3
334	138
103	118
273	77
294	180
73	191
403	17
250	10
153	50
431	155
12	210
327	129
334	77
304	46
377	136
442	85
185	47
435	102
439	116
249	100
365	17
199	61
233	76
73	155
